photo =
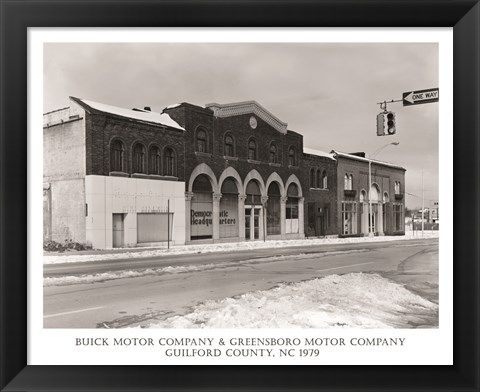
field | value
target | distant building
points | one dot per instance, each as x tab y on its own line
434	216
224	172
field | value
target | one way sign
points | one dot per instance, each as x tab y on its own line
420	96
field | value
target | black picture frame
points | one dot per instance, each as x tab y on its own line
18	15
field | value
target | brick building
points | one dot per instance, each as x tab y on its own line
384	202
191	174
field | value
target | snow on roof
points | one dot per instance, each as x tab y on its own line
319	153
142	115
175	105
356	157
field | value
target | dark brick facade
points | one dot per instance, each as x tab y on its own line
193	118
321	204
102	129
384	177
322	199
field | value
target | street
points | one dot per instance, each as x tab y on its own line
139	301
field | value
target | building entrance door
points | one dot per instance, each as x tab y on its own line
372	223
321	225
117	229
252	223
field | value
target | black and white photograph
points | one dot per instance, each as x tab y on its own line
239	195
256	185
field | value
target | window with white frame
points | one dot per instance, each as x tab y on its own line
349	217
397	187
324	180
348	182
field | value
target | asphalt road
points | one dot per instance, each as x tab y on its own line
142	300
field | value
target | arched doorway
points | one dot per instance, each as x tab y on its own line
273	209
201	213
253	210
228	215
374	216
292	221
364	212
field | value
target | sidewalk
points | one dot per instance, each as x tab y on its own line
112	254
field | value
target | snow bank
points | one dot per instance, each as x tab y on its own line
85	279
223	247
355	300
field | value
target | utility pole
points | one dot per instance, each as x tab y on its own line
371	232
423	203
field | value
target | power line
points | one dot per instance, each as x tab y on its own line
411	194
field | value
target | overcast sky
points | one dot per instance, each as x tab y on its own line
327	92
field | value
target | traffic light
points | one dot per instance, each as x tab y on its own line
386	124
391	126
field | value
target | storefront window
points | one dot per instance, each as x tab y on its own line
273	209
349	217
292	209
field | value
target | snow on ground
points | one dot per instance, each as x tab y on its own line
355	300
223	247
85	279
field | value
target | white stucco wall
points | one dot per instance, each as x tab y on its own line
107	195
63	174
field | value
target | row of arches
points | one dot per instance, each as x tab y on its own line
249	208
143	161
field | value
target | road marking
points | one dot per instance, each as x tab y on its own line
72	312
346	266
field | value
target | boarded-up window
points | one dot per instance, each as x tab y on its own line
228	216
153	227
201	213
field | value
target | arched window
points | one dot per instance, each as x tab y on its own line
117	158
324	180
252	150
229	147
386	199
319	183
312	178
363	196
292	157
348	182
273	153
201	140
169	165
138	158
397	187
154	160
